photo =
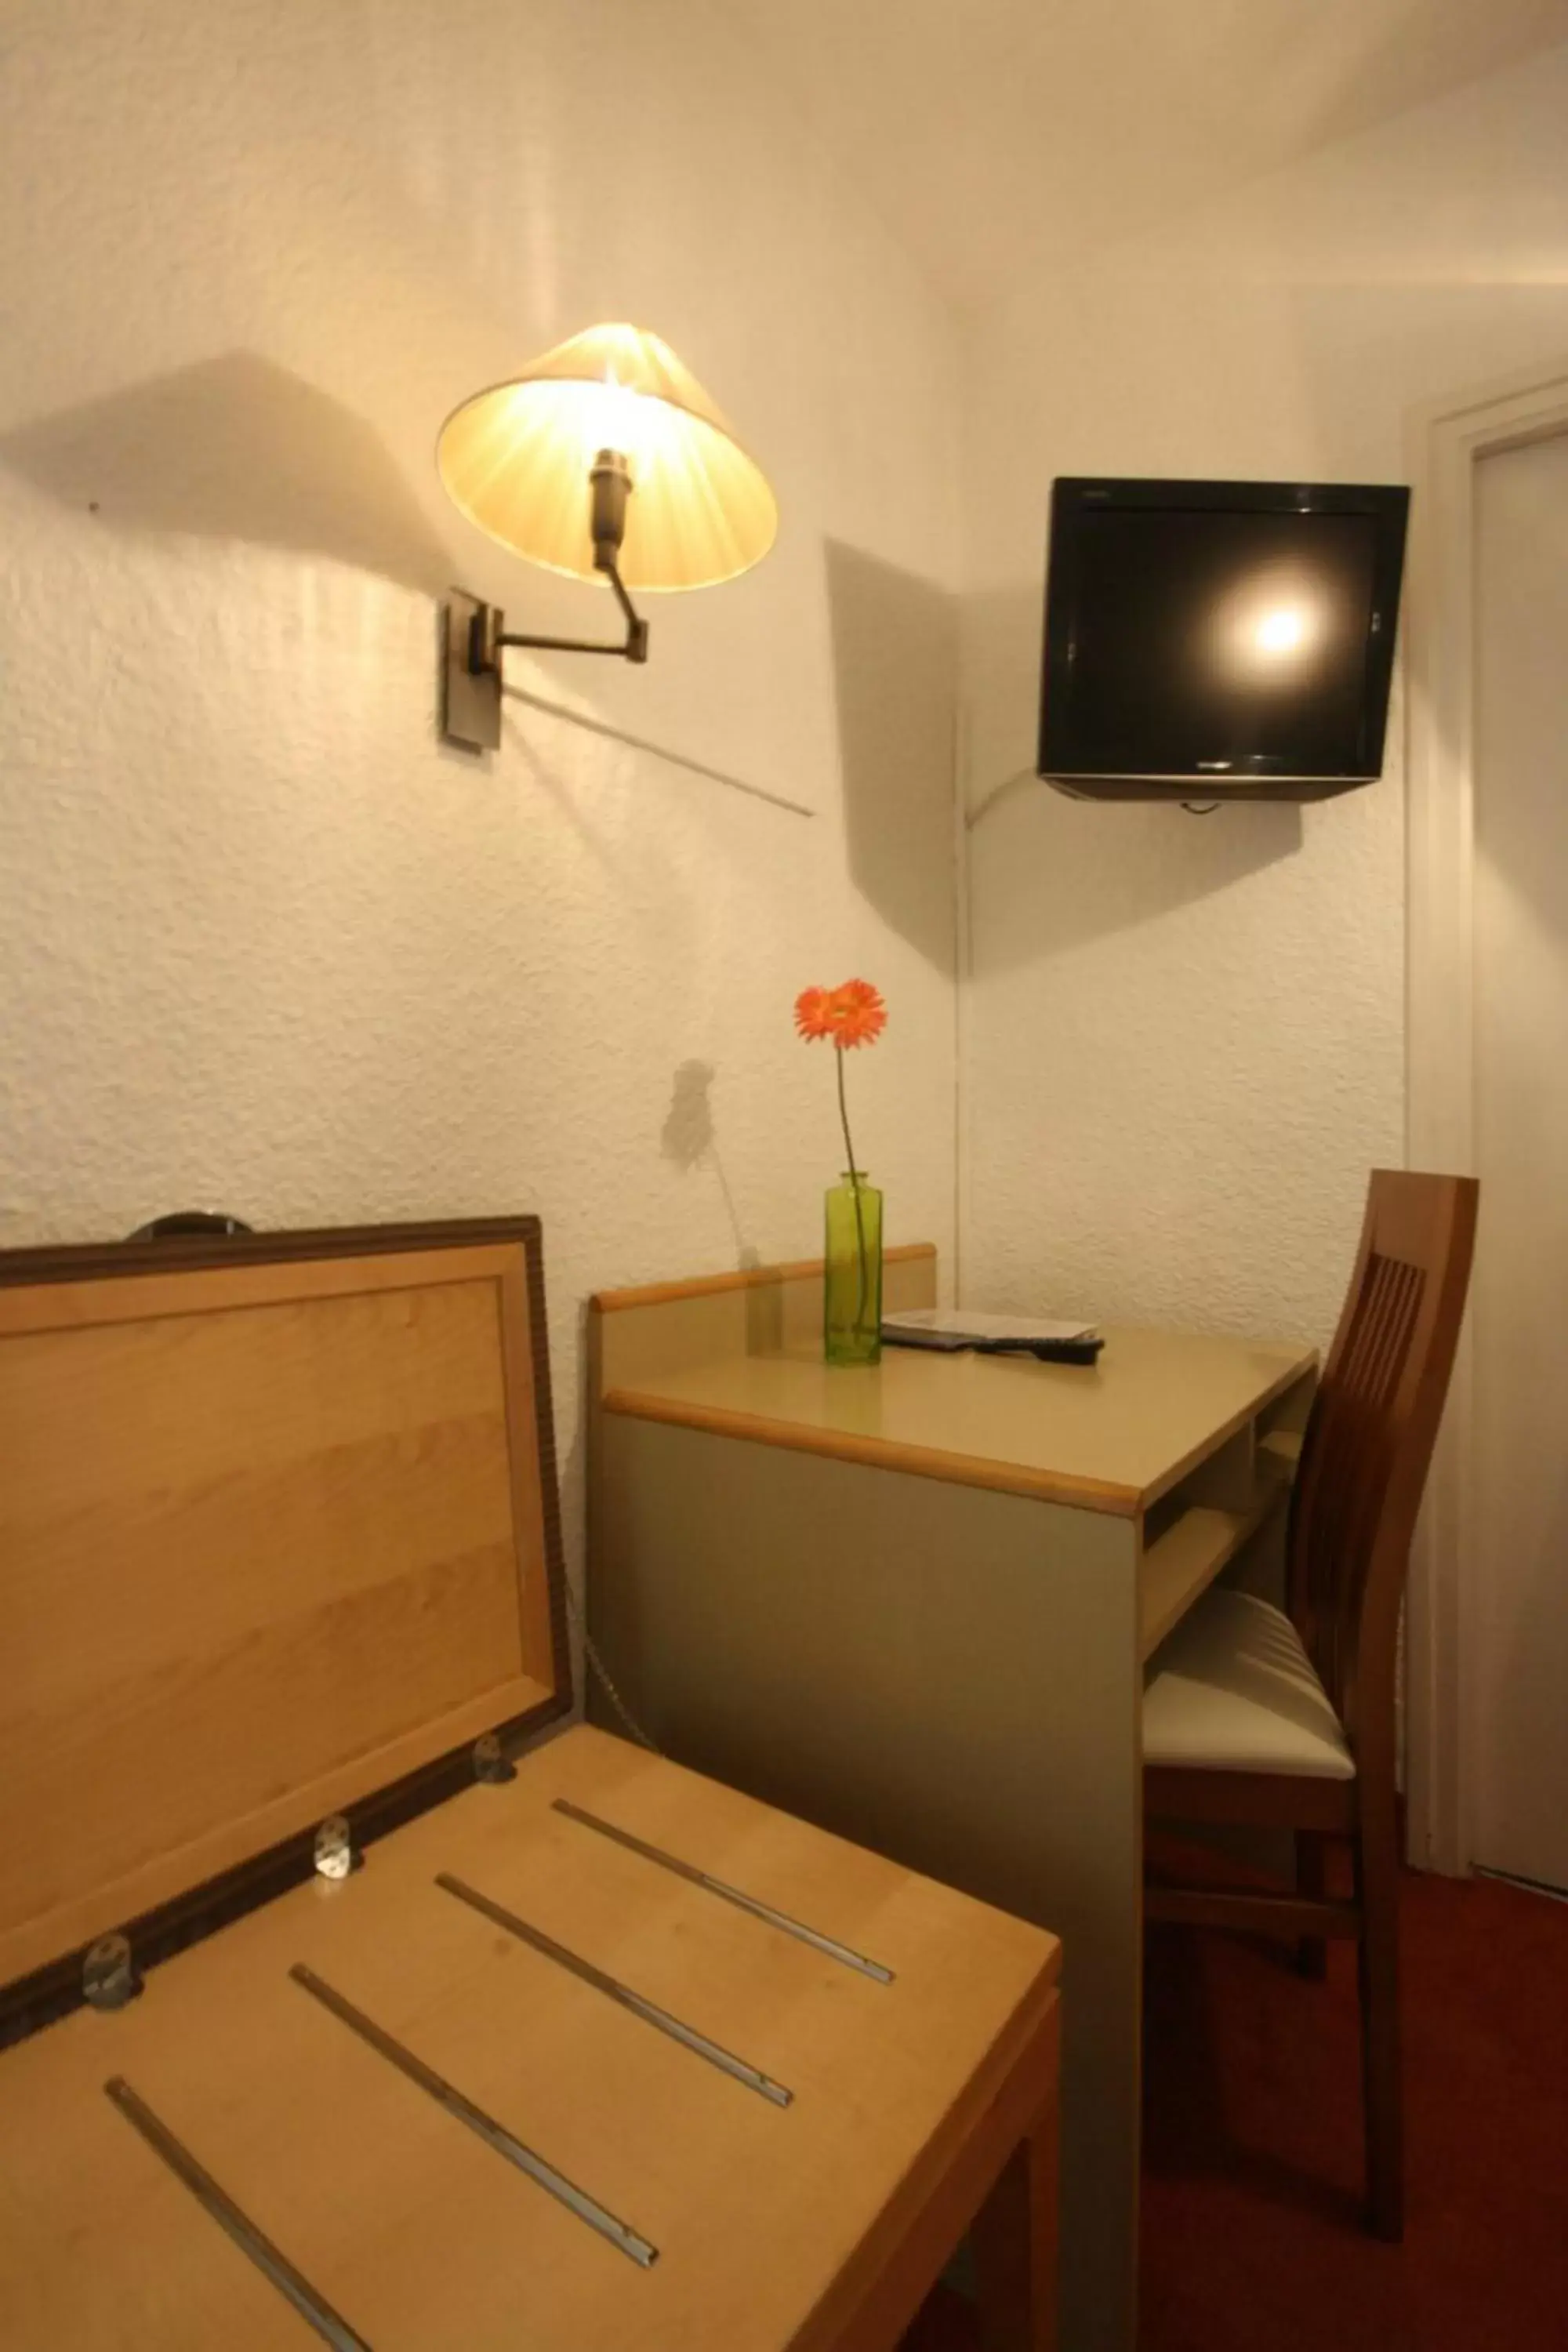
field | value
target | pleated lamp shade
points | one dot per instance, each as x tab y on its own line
516	460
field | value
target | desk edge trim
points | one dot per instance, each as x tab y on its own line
880	1454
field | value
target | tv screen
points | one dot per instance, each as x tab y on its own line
1238	635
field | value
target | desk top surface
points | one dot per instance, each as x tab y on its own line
1113	1438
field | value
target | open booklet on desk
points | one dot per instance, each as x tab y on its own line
951	1329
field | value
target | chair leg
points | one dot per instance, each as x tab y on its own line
1377	1883
1311	1879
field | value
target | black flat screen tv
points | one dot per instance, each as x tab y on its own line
1211	641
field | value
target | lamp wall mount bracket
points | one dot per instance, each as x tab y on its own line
472	638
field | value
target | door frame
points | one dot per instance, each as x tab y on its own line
1445	442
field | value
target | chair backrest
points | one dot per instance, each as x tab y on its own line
1369	1443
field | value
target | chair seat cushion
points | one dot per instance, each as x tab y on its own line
1232	1690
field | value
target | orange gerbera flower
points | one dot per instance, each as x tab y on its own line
852	1013
811	1012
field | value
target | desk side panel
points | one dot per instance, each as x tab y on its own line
943	1673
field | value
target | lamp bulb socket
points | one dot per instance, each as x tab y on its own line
610	477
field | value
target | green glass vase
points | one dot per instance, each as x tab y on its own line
852	1291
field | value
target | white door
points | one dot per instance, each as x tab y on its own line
1519	1571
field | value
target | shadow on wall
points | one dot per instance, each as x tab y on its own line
895	653
1080	870
688	1139
236	448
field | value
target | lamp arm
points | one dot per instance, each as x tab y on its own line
636	627
633	649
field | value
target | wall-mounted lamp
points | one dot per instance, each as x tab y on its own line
606	460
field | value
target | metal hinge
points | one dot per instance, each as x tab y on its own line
492	1762
109	1977
336	1853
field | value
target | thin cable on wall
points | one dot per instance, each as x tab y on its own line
1029	776
603	1676
1021	776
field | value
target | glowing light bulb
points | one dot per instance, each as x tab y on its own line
1282	631
611	417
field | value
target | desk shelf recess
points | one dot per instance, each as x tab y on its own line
1198	1544
1201	1527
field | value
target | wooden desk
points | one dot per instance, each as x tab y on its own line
911	1603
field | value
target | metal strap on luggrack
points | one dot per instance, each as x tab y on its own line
495	2134
743	1902
291	2283
614	1989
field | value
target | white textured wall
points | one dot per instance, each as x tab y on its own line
265	944
1185	1038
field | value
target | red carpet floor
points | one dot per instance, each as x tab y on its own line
1252	2239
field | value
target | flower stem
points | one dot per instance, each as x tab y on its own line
854	1174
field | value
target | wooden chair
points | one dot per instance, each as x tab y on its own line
1255	1717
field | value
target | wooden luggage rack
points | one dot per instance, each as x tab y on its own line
450	2033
